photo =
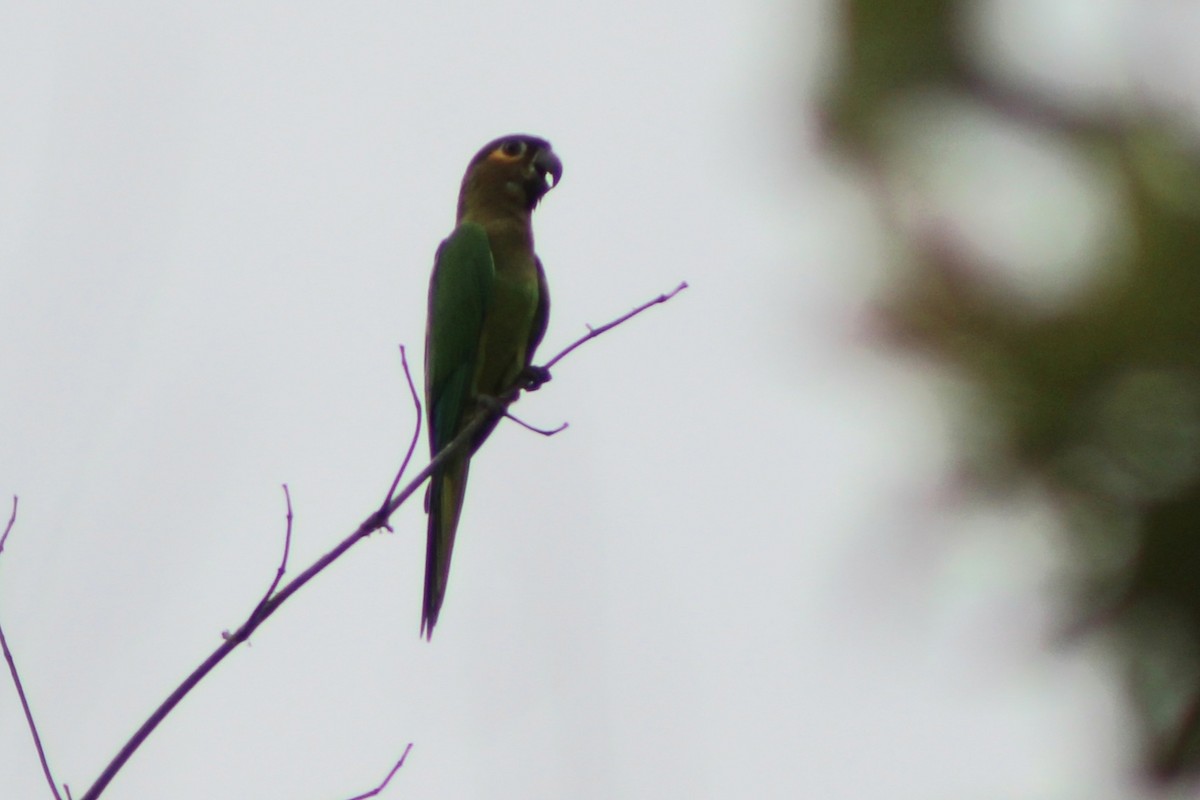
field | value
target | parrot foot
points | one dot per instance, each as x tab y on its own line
533	377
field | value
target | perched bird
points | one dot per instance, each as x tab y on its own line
488	308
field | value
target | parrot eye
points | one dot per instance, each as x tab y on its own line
513	148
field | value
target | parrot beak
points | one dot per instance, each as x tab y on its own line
547	164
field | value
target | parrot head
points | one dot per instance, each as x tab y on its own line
510	172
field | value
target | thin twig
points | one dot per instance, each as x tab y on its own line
287	549
376	521
12	518
542	431
16	679
386	780
499	409
37	740
412	446
594	332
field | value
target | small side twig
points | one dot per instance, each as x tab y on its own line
542	431
16	678
374	792
412	445
12	518
287	549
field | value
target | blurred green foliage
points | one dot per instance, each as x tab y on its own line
1096	398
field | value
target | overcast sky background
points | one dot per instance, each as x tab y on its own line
742	572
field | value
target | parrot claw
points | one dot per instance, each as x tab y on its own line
533	377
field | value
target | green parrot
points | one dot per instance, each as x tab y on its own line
488	308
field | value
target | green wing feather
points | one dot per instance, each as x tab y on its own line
463	275
541	317
459	291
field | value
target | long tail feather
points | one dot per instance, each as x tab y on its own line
446	493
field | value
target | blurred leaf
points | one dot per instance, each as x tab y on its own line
1096	397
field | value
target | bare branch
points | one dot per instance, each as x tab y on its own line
376	521
16	678
264	611
386	780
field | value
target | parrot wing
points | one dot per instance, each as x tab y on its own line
459	292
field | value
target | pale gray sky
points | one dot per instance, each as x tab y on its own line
738	574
